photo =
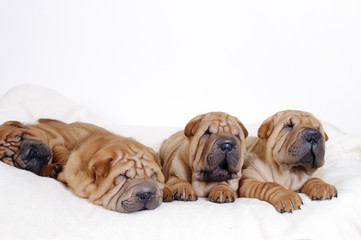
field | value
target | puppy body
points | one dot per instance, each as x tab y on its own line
180	167
286	158
205	159
119	173
258	167
42	148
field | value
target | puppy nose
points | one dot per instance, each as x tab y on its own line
226	143
145	197
226	147
312	135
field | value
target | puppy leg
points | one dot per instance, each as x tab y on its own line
317	189
282	199
222	193
182	189
60	157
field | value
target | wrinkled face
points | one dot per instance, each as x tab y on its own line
295	139
133	179
19	148
216	146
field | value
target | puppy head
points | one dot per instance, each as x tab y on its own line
20	147
295	140
216	146
128	176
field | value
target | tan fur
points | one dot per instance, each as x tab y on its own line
268	174
103	165
59	136
183	157
110	170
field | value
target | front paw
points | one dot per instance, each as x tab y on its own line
51	170
287	201
167	194
317	189
222	194
184	191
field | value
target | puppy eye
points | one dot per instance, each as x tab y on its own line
208	133
289	125
21	136
120	179
154	176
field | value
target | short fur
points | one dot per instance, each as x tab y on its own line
283	160
58	136
119	173
206	158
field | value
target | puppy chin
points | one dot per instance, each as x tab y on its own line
217	175
308	167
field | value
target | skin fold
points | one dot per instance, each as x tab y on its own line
205	160
285	159
119	173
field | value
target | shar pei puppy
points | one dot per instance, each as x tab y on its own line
41	148
118	173
286	159
205	159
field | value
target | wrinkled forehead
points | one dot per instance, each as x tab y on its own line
137	163
221	123
8	133
299	118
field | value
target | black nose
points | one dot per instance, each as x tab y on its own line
311	135
226	143
145	197
226	147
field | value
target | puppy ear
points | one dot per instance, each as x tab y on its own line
102	167
14	124
266	128
326	137
193	126
244	129
48	120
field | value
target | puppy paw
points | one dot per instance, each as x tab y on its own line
167	194
222	194
317	189
51	170
287	201
184	191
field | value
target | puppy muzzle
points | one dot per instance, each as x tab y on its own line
145	196
33	155
223	160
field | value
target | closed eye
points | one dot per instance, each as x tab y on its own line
21	136
208	133
120	179
289	125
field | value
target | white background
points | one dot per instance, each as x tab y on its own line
163	62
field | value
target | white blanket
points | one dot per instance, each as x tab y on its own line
33	207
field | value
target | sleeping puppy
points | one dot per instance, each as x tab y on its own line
41	148
118	173
283	160
205	159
